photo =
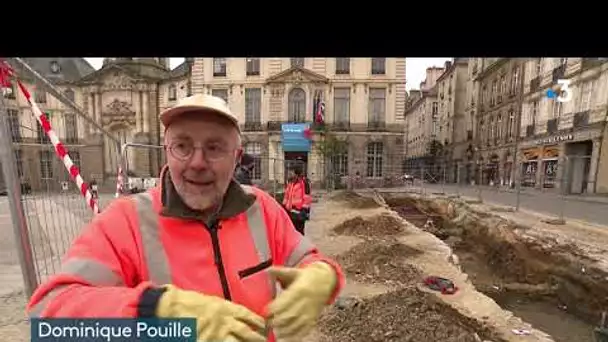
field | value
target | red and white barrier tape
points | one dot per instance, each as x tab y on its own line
5	74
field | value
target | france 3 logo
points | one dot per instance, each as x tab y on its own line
563	94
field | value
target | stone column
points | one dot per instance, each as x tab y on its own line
92	105
593	164
98	108
139	113
146	112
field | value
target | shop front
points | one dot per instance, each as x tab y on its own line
565	161
296	144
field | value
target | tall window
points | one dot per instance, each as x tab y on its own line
377	105
42	137
75	156
221	93
14	124
69	93
534	111
586	98
255	150
46	165
219	66
515	80
339	163
378	66
71	128
297	105
297	62
172	92
253	66
40	95
9	92
342	105
342	66
253	104
374	159
511	124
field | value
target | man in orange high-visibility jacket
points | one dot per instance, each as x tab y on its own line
198	245
297	199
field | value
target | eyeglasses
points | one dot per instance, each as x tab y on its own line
184	150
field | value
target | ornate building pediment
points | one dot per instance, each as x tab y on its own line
118	112
297	75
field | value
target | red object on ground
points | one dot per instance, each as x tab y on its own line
444	285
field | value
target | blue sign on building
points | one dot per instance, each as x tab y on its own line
294	137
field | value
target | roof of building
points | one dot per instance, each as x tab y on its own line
59	69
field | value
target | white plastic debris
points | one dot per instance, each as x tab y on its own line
521	332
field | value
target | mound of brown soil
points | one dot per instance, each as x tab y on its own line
374	261
379	225
403	315
355	200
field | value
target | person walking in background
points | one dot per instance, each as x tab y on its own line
244	170
297	198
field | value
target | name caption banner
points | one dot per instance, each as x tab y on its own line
113	330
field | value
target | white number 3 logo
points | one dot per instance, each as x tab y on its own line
565	94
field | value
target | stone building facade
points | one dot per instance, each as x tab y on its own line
498	111
125	97
563	144
452	119
275	100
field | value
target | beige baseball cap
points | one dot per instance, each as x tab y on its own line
199	103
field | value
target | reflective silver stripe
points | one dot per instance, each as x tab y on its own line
299	252
257	228
37	309
92	271
154	252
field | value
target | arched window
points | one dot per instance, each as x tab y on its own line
255	150
297	105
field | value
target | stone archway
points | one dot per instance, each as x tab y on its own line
124	133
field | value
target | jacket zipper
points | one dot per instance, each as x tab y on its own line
217	255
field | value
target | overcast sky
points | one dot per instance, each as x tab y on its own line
415	69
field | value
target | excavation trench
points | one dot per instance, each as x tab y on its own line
549	287
404	312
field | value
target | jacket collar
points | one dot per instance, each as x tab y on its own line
235	201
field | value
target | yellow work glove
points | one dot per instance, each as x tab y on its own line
295	311
217	319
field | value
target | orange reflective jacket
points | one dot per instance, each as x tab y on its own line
135	244
295	196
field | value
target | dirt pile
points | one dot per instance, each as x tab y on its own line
403	315
379	225
356	201
381	261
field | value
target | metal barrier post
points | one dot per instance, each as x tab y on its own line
480	178
18	217
422	180
443	179
518	185
562	188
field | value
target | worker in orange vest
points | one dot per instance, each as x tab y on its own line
297	199
197	245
